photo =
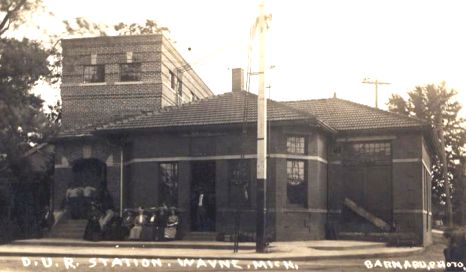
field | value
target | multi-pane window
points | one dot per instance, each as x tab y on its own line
169	183
296	182
94	73
239	176
130	72
373	152
295	144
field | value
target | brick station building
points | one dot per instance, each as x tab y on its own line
140	122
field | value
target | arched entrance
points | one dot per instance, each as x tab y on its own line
90	172
88	188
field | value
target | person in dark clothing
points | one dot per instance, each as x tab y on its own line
47	219
201	211
456	250
127	222
114	231
93	230
73	198
161	223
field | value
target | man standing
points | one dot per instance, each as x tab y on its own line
201	214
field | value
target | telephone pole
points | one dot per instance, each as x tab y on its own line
261	207
376	83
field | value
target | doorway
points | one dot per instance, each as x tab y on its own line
368	182
203	200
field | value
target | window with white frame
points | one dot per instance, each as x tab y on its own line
130	72
295	144
296	186
168	187
94	73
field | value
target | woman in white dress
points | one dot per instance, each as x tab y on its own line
139	221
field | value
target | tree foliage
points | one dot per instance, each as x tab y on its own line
23	63
23	123
150	27
82	27
437	105
13	13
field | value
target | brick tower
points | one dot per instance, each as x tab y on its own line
105	78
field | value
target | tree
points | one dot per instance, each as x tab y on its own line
22	64
150	27
24	122
13	13
437	105
81	27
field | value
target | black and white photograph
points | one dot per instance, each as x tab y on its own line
232	135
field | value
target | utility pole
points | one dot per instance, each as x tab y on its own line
376	83
261	207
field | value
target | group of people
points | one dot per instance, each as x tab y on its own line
103	224
154	224
79	200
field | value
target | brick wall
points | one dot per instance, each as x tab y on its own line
69	152
284	223
87	103
408	192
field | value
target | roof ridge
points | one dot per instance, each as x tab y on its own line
280	104
305	100
386	112
158	111
383	111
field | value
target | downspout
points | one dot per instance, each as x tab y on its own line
121	180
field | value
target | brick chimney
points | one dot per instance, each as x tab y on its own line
237	79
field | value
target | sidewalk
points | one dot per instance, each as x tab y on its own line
297	251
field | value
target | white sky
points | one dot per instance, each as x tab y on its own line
317	47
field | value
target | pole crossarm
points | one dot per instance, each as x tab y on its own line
376	84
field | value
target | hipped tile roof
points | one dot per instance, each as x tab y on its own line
228	108
344	115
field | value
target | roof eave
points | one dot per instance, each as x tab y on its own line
203	126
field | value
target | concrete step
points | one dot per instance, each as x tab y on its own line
67	235
70	228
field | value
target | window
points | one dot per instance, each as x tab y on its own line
172	80
194	97
168	189
372	152
296	188
180	88
130	72
239	183
94	73
295	144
